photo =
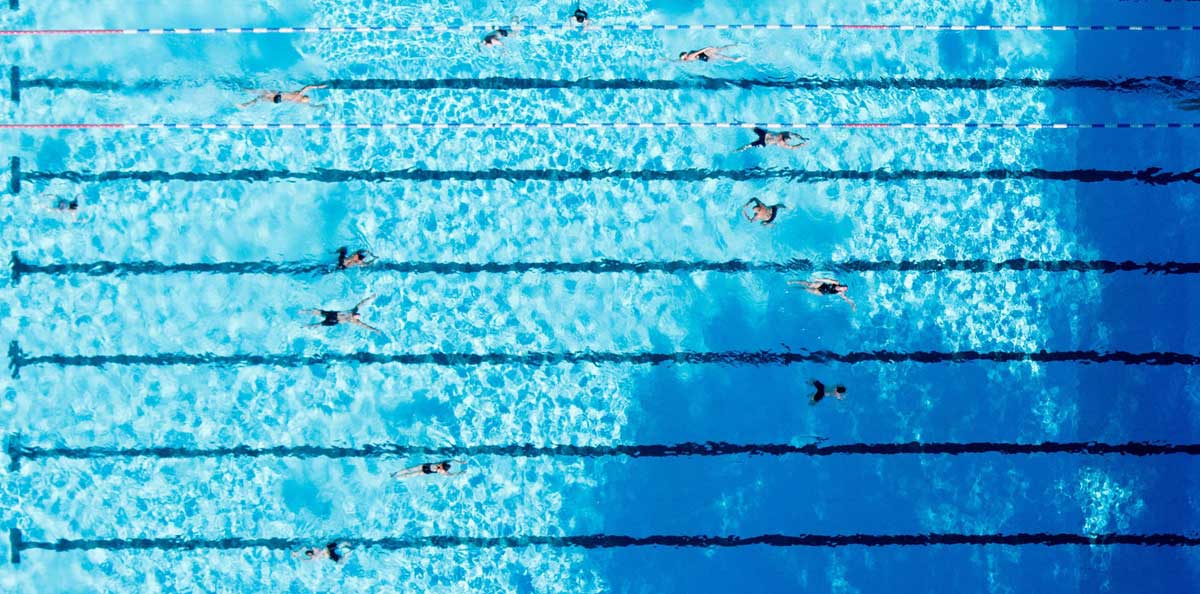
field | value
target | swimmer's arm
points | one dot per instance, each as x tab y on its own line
853	307
250	102
311	87
822	279
365	301
367	326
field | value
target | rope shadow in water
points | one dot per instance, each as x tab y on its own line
21	268
1160	84
604	541
18	359
1150	175
18	452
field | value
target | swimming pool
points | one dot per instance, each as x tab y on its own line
571	196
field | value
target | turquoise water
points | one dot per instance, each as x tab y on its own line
579	220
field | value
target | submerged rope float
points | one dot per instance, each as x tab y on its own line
19	359
18	543
21	268
17	451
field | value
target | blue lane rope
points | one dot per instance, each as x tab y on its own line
1147	175
485	27
21	269
18	452
18	359
19	544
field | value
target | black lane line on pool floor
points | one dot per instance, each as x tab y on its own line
1170	85
21	269
603	541
18	452
18	359
1149	175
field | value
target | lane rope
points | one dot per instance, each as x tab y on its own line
485	27
18	543
600	125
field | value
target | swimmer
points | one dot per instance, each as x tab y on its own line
330	551
442	467
65	205
493	39
581	16
333	317
826	286
348	259
779	139
708	54
285	96
762	212
839	392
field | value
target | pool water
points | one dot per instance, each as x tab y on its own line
201	79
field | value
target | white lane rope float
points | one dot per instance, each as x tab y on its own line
603	125
481	27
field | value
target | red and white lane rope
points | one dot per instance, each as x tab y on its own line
602	125
483	27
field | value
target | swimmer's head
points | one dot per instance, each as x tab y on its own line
682	55
309	553
840	389
446	466
278	98
580	15
502	32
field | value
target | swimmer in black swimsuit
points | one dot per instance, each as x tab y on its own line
334	317
581	17
282	96
348	259
329	551
762	212
65	205
839	392
779	139
493	39
442	467
825	286
708	54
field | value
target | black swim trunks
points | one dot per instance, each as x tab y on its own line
331	318
762	137
774	213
